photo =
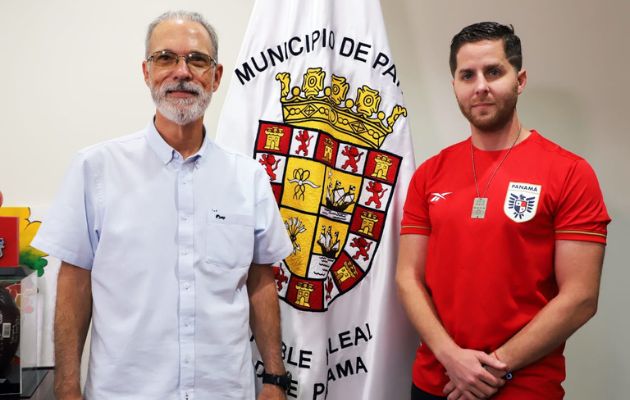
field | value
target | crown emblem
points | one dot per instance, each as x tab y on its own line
358	120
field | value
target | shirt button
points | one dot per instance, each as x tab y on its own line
184	218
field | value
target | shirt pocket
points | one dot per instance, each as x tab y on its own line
229	239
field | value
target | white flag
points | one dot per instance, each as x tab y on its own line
316	99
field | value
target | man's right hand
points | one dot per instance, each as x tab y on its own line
467	370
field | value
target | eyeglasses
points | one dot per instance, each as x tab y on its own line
197	62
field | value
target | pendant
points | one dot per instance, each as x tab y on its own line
479	208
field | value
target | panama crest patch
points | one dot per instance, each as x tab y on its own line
521	201
332	183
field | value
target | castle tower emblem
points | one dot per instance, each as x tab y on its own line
304	291
368	220
382	166
348	271
274	134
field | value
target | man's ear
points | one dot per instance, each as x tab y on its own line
218	73
145	72
521	77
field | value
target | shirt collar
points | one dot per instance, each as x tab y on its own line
165	152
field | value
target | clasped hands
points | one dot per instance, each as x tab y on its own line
473	375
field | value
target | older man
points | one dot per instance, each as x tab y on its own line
502	241
166	241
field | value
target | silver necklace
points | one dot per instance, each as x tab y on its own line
480	204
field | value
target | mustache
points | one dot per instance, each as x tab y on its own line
181	86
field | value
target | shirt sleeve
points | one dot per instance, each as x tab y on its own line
67	231
416	210
581	213
272	242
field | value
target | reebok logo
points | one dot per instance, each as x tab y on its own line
438	196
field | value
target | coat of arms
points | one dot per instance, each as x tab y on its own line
521	201
332	183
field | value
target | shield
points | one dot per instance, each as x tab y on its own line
332	183
333	196
521	201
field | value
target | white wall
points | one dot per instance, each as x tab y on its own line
72	77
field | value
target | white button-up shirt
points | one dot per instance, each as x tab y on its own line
169	243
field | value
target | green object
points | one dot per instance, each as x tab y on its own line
34	259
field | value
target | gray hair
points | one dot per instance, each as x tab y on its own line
186	16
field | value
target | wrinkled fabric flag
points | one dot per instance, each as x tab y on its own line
316	99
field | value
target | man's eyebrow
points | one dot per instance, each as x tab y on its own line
495	65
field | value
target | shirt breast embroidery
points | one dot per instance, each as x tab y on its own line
521	201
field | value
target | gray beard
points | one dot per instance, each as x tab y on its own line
181	111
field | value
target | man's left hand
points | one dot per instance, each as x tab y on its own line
271	392
453	393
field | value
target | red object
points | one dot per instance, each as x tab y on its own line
327	156
382	166
274	138
489	277
371	230
312	290
9	242
346	272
